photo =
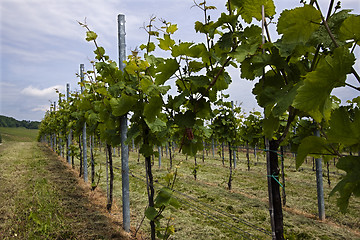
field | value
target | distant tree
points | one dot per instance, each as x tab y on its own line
12	122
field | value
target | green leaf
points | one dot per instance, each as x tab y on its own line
181	49
342	129
252	9
350	29
165	70
122	105
297	25
172	29
191	147
226	41
199	81
222	82
285	99
166	43
151	213
321	36
163	197
198	51
174	203
90	36
153	108
270	124
195	66
100	52
169	178
149	47
146	150
310	145
102	91
185	120
157	125
314	95
92	118
350	183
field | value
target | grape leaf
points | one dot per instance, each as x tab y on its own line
314	95
165	70
90	36
172	29
122	105
157	125
270	124
163	197
149	47
250	42
321	36
350	29
252	9
153	108
151	213
297	25
350	183
181	49
342	129
185	120
166	43
310	144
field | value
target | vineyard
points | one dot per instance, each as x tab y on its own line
209	211
194	164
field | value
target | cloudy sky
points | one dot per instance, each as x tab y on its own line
42	45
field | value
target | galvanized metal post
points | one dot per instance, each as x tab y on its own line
54	134
159	151
60	135
123	126
319	185
69	139
234	152
212	147
51	137
84	130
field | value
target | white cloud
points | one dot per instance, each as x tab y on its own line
49	92
40	108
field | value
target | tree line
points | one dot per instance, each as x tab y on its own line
12	122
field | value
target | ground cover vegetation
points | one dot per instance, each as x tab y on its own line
41	197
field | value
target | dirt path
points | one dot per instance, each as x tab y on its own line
42	198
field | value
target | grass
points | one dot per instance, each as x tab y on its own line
41	198
246	202
18	134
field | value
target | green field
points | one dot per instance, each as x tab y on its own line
18	134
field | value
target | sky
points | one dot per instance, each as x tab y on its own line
42	45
